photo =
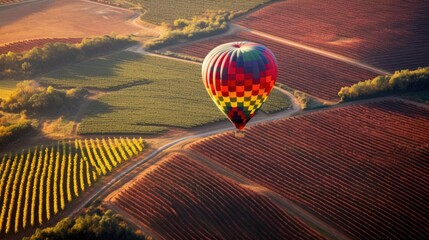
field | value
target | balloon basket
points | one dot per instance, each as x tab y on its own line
239	134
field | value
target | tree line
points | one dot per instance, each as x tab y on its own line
399	82
41	59
210	23
96	224
29	99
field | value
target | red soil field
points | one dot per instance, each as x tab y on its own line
182	199
316	75
26	45
390	34
63	19
364	169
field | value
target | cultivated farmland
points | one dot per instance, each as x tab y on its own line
25	45
314	74
143	94
182	199
38	183
388	34
62	19
362	169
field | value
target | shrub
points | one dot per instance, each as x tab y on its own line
210	23
31	97
41	59
400	81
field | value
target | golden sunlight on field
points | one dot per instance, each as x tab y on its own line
62	18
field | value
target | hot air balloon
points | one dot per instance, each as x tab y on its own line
239	77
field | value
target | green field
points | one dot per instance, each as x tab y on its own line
276	102
158	11
7	87
144	94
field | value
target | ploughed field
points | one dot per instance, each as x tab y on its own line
363	169
182	199
314	74
25	45
62	18
390	34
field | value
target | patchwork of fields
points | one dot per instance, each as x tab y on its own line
143	94
387	34
352	171
311	73
361	168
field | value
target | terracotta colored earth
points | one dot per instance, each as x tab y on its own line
62	18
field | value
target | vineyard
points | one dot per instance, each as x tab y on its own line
316	75
37	184
388	34
361	168
26	45
182	199
137	92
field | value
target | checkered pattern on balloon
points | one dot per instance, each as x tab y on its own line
239	77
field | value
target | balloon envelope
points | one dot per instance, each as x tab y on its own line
239	77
